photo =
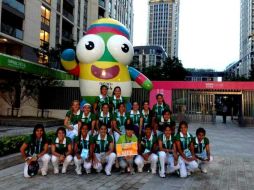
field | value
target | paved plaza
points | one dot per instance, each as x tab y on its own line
232	168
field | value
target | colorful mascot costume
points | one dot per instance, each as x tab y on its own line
103	55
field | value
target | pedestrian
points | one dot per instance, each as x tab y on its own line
116	99
224	113
35	149
187	159
103	151
83	149
72	120
147	151
88	118
103	98
61	149
147	115
136	119
159	107
164	119
126	162
105	117
201	149
167	152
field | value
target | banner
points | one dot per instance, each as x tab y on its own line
127	149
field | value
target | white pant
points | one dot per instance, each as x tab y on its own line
45	162
124	163
78	162
203	164
72	133
185	165
167	159
55	162
110	160
152	159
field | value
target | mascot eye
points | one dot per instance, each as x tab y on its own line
121	49
90	48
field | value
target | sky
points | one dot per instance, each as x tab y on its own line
209	32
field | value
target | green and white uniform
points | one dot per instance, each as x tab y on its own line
61	148
200	147
74	119
101	147
135	117
115	102
100	100
83	150
167	158
106	119
120	121
185	145
34	148
161	123
158	109
87	119
147	147
147	117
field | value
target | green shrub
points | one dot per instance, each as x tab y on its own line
10	145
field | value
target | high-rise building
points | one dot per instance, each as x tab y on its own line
164	25
121	10
246	37
29	25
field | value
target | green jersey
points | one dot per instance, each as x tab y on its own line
34	146
199	147
166	143
106	119
147	144
83	143
158	109
121	120
74	118
115	102
100	100
102	146
87	119
162	122
125	139
135	117
147	117
62	148
184	140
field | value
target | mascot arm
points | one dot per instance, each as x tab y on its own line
69	62
141	79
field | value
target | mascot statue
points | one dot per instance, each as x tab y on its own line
104	54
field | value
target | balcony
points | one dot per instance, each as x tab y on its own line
16	5
10	30
68	15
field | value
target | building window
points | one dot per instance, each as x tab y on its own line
44	38
45	15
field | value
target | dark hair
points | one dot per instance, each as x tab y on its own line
159	95
172	123
166	125
113	93
79	135
182	123
146	101
121	104
104	105
148	126
200	130
165	111
61	129
102	86
101	124
36	127
129	127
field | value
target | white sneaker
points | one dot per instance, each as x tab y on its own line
188	173
140	170
56	171
153	171
78	172
63	170
43	173
107	173
88	171
162	175
204	170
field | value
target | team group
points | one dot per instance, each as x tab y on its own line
91	133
